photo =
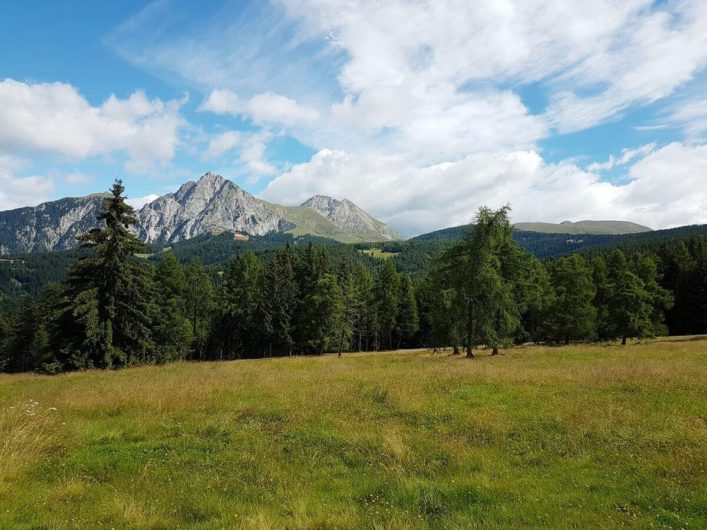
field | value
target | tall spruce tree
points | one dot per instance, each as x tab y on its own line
328	303
172	330
280	303
198	298
573	315
387	298
105	313
352	312
407	320
364	305
538	296
238	330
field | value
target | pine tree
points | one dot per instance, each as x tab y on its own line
600	278
364	305
198	294
280	303
238	326
538	296
573	315
20	346
387	298
629	308
328	303
105	315
172	331
353	310
659	298
407	319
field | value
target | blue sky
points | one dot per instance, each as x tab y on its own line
417	112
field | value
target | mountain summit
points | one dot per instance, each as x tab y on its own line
350	218
210	204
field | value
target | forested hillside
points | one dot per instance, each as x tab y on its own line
219	298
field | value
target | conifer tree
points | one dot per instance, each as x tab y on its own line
328	304
573	315
239	323
538	296
105	315
198	294
387	298
280	303
173	333
474	269
364	305
407	319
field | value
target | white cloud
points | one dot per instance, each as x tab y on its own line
416	199
77	177
251	151
139	202
691	115
627	155
619	53
56	118
265	108
222	143
16	192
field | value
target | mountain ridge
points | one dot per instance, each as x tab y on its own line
584	227
210	204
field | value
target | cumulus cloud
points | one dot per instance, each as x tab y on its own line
16	192
415	199
77	177
56	118
268	107
251	147
627	155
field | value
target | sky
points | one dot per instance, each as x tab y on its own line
417	111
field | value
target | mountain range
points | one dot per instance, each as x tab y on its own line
584	227
211	204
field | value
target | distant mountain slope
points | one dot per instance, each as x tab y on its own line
584	227
210	205
350	218
543	244
51	225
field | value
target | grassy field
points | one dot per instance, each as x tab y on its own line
378	253
597	436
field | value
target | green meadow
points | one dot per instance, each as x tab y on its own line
583	436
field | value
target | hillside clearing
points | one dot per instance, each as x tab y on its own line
585	436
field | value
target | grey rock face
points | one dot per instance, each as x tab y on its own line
211	204
350	218
50	226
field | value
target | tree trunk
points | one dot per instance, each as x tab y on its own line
495	350
455	350
469	354
623	341
567	341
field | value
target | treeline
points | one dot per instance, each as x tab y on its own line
114	310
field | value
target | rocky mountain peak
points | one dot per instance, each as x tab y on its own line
321	203
208	205
349	217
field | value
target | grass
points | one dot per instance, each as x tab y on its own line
378	253
585	436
